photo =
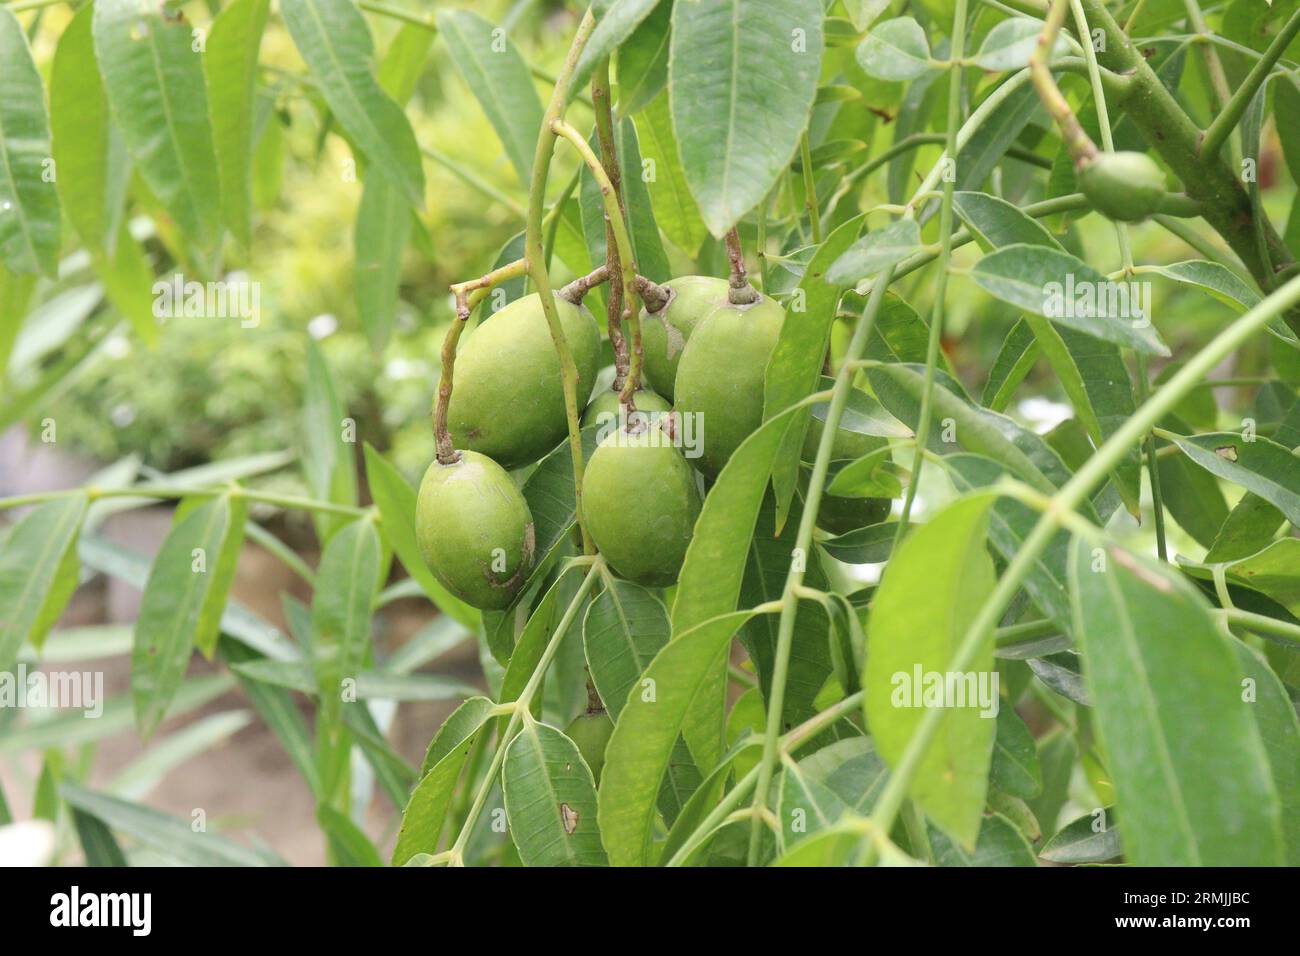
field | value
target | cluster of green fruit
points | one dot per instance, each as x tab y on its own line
704	361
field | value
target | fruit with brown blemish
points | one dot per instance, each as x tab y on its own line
508	397
664	333
475	530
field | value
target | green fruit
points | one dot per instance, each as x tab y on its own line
1126	186
591	732
720	376
508	398
639	503
664	333
475	530
604	408
842	515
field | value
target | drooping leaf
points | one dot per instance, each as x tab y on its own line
643	63
38	573
615	25
999	844
1275	716
230	65
735	64
1158	668
1008	45
1216	279
1065	289
171	837
346	583
383	227
710	579
795	366
1259	465
1274	571
88	153
918	620
182	603
29	205
875	252
349	846
1019	351
154	82
327	458
770	556
895	50
624	628
334	40
426	811
995	223
977	429
1015	769
499	79
674	206
550	799
638	752
277	709
1093	838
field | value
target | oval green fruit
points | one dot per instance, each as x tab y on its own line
508	398
841	515
475	530
591	733
1126	186
639	503
720	376
664	333
604	408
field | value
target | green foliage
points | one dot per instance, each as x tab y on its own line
985	561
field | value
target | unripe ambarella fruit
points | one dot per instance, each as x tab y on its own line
840	515
604	408
591	733
475	530
1126	186
720	376
507	401
639	503
664	333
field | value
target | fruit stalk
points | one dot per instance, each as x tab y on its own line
600	97
741	292
468	294
623	242
654	296
441	435
536	254
1077	142
576	290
